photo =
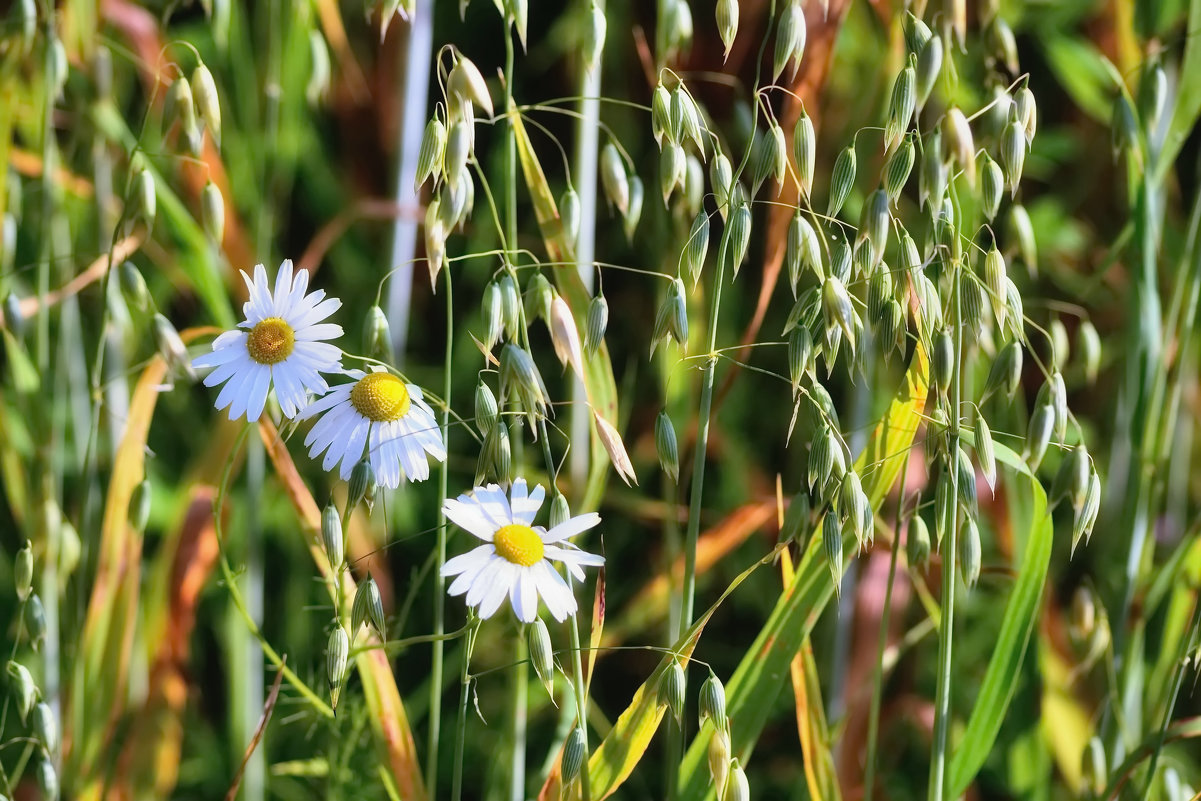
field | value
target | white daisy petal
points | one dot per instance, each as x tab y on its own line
467	516
273	346
497	591
572	527
572	556
524	506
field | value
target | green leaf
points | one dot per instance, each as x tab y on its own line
1188	98
1080	68
1013	639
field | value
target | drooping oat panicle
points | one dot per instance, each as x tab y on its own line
800	356
331	536
712	702
672	164
467	84
832	547
721	175
985	453
368	609
1038	434
208	102
900	107
661	122
992	185
1088	343
970	552
1013	154
917	33
594	36
738	788
337	649
879	293
960	141
791	33
738	235
1004	44
917	542
897	168
569	214
565	337
1153	95
23	687
802	250
932	179
874	224
179	107
574	753
717	756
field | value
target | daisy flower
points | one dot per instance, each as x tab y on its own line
515	559
386	415
280	345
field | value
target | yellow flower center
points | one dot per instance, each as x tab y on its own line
518	544
380	397
271	341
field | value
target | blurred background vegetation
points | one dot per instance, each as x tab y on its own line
156	681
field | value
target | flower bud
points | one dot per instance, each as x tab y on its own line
539	295
171	346
727	24
1038	434
929	65
666	447
1088	342
970	553
574	754
671	689
368	608
432	154
1071	481
832	546
917	542
960	142
1027	112
942	361
466	82
597	322
1086	513
45	728
331	536
594	37
842	180
932	180
23	687
1022	229
900	107
721	175
992	186
873	225
718	757
542	654
697	246
1013	154
143	201
521	383
737	786
800	355
47	780
23	571
179	106
790	40
661	123
917	33
337	649
614	179
362	485
898	167
804	150
204	89
35	621
712	703
569	214
739	233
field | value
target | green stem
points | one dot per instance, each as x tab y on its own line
581	699
456	790
942	701
873	720
437	654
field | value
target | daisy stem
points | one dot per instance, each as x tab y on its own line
437	652
456	790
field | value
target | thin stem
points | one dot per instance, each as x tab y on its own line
873	720
581	699
942	700
456	790
437	652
